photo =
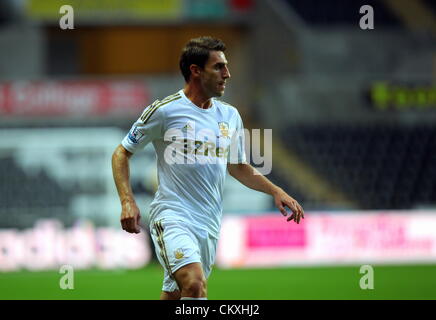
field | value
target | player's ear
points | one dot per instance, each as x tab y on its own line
195	70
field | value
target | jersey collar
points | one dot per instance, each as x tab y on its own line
212	108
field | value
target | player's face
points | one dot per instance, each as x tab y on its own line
215	73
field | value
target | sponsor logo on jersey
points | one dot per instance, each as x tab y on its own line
205	146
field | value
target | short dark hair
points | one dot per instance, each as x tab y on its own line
196	52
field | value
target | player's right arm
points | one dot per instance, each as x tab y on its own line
130	214
143	131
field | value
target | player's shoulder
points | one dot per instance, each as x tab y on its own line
158	106
168	100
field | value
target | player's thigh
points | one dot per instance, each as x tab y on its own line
208	248
175	247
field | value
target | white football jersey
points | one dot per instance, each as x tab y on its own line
193	147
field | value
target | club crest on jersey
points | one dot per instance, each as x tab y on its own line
135	135
224	128
179	254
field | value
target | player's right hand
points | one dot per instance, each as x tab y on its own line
130	217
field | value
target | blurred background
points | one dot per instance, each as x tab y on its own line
353	114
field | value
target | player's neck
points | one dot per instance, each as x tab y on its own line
197	97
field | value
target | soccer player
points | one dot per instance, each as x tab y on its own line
185	214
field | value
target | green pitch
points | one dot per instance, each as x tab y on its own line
390	282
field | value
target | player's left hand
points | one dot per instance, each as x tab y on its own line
282	200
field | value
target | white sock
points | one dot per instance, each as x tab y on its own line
189	298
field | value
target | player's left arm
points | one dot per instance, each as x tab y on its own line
250	177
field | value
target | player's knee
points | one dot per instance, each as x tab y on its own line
195	288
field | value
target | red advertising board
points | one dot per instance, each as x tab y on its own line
75	98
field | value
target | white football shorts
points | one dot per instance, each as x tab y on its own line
177	244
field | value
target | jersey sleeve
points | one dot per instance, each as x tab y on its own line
146	129
237	144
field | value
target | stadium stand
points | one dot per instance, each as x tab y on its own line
378	166
26	198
